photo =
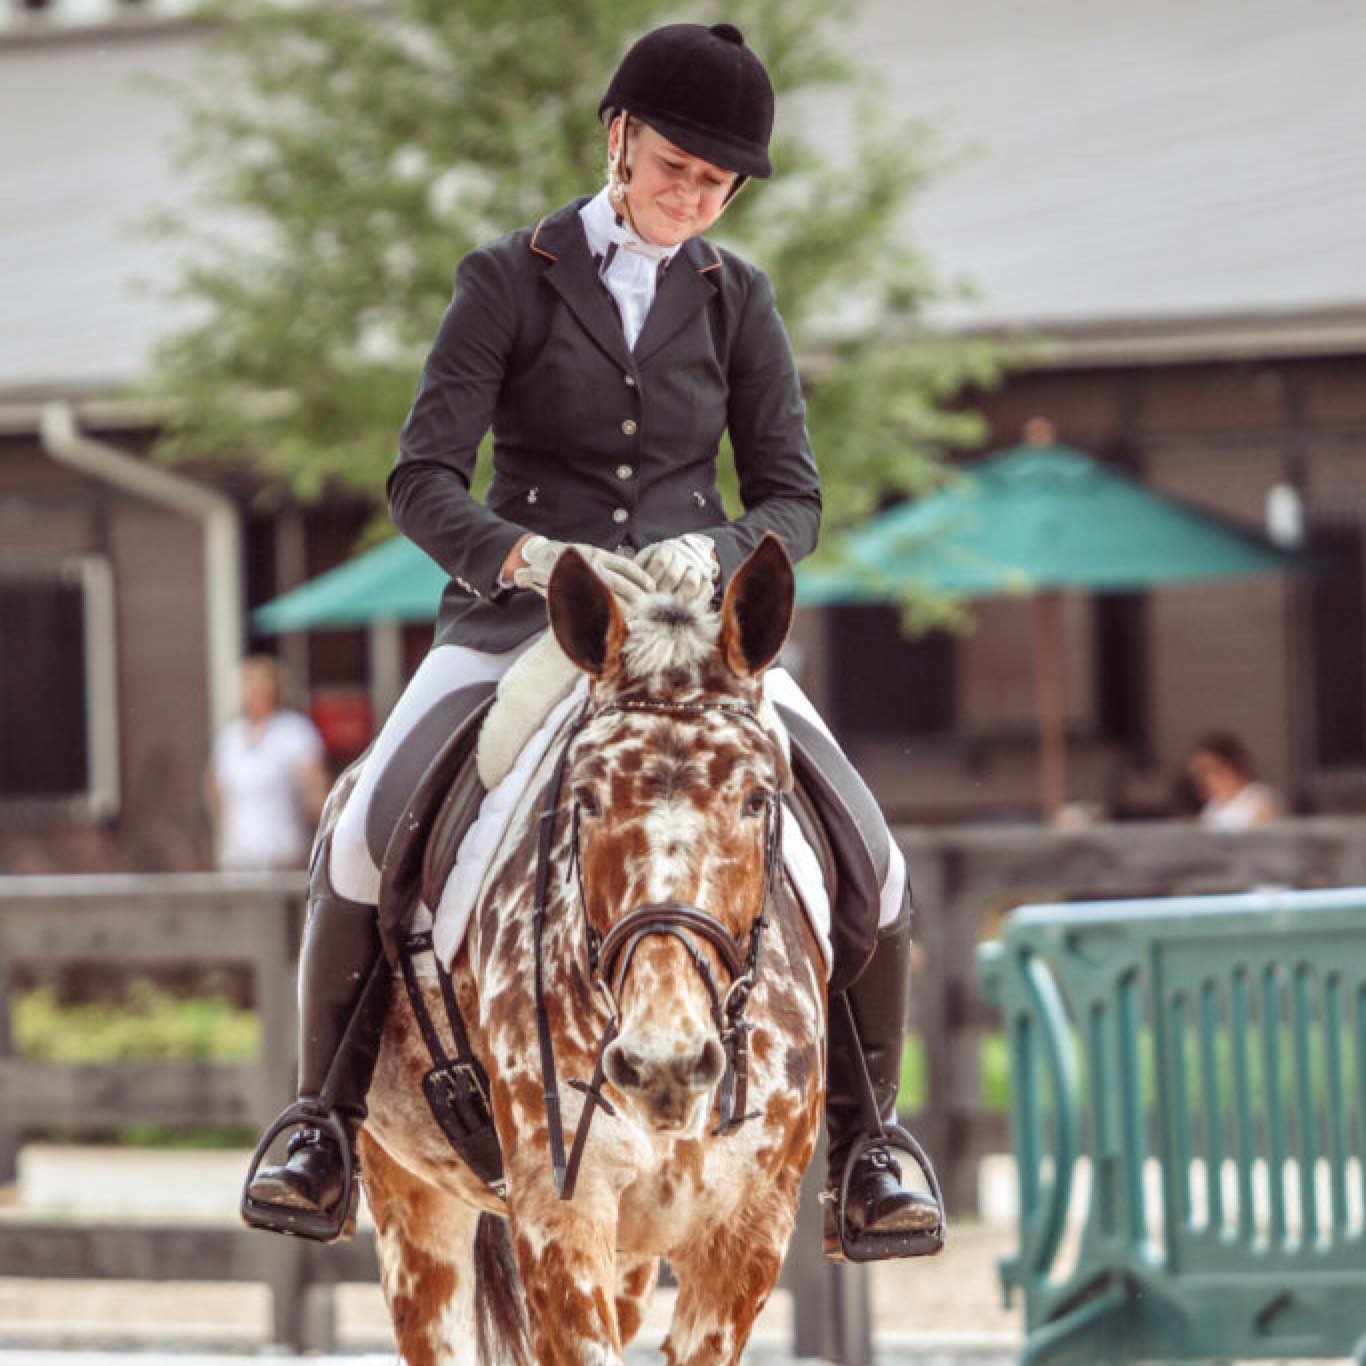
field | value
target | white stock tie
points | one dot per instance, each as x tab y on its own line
631	272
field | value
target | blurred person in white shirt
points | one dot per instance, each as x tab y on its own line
266	780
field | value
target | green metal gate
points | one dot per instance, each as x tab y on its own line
1188	1080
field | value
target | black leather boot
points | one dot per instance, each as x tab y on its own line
344	989
869	1214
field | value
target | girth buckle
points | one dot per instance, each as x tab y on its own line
457	1092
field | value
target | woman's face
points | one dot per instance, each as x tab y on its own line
672	195
260	692
1214	777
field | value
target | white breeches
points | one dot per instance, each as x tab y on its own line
448	667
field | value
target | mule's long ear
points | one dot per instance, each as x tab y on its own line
757	611
584	615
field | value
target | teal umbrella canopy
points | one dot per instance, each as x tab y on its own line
393	582
1035	518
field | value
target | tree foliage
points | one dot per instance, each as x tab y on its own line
349	154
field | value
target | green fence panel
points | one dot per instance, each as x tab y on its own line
1188	1115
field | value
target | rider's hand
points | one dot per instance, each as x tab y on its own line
685	566
627	580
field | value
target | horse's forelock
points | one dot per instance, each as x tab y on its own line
667	638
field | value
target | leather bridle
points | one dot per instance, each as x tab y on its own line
610	955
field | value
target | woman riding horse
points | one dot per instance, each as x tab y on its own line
609	347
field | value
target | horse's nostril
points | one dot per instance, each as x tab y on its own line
622	1066
630	1070
711	1063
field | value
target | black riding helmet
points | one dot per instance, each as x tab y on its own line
703	89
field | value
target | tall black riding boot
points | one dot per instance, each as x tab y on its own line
869	1215
344	988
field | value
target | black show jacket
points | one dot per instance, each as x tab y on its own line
593	441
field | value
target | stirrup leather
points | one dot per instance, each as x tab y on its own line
322	1226
873	1246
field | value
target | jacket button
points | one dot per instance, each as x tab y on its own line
630	381
629	426
624	471
620	515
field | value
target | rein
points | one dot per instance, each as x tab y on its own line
610	956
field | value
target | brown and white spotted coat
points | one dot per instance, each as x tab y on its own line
671	807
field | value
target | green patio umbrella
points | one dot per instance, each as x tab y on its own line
393	582
1036	520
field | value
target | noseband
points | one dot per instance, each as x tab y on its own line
610	955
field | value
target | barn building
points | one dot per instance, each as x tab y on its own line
1171	195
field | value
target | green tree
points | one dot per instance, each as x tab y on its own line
350	154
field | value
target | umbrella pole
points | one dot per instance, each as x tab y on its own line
386	668
1050	702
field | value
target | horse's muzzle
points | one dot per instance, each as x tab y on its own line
664	1081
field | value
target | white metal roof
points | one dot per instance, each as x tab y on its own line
1130	175
1159	159
82	158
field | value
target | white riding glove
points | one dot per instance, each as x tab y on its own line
627	580
685	566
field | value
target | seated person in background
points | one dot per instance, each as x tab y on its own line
1220	769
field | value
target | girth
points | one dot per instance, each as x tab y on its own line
457	1088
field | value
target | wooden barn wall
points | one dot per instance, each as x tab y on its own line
1229	656
163	714
48	513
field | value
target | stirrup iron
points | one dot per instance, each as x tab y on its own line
874	1246
322	1226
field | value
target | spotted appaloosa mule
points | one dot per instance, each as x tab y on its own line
668	797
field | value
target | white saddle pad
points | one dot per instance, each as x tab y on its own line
480	846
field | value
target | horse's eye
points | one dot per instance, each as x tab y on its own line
757	802
587	800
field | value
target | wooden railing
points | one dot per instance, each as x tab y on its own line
140	921
964	882
136	921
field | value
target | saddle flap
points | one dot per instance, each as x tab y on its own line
414	764
848	817
457	718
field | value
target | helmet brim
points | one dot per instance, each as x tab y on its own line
743	158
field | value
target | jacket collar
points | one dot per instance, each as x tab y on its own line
686	287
